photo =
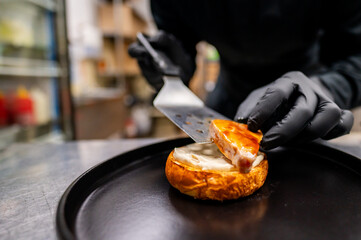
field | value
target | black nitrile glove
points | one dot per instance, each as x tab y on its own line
293	108
167	45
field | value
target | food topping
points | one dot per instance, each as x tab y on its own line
236	142
206	156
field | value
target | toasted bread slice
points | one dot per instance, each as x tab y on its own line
236	142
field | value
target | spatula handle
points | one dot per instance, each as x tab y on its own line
162	62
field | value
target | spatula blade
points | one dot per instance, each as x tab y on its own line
186	110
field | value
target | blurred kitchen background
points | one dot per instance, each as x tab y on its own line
65	73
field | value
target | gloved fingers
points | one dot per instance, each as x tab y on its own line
247	106
162	40
136	50
327	116
170	45
274	96
145	64
343	127
290	126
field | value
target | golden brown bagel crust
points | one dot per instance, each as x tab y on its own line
211	184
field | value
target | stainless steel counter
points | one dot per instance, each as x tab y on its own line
34	176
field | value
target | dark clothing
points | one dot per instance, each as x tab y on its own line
258	41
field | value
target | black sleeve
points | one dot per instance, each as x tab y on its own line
340	50
167	16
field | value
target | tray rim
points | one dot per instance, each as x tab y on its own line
64	231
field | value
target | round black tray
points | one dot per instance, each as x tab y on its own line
313	192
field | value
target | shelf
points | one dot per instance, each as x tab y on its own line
34	133
109	75
49	5
98	95
25	62
24	67
112	35
117	74
38	72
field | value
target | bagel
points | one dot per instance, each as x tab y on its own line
200	170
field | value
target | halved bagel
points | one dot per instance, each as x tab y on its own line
213	183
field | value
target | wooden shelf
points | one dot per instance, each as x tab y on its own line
114	74
114	35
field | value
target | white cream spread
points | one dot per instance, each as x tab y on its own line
207	156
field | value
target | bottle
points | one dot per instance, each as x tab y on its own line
41	106
23	108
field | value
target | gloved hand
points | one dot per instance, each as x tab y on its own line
168	45
293	108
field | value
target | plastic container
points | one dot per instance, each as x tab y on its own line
41	106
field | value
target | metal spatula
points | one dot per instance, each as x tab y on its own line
178	102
